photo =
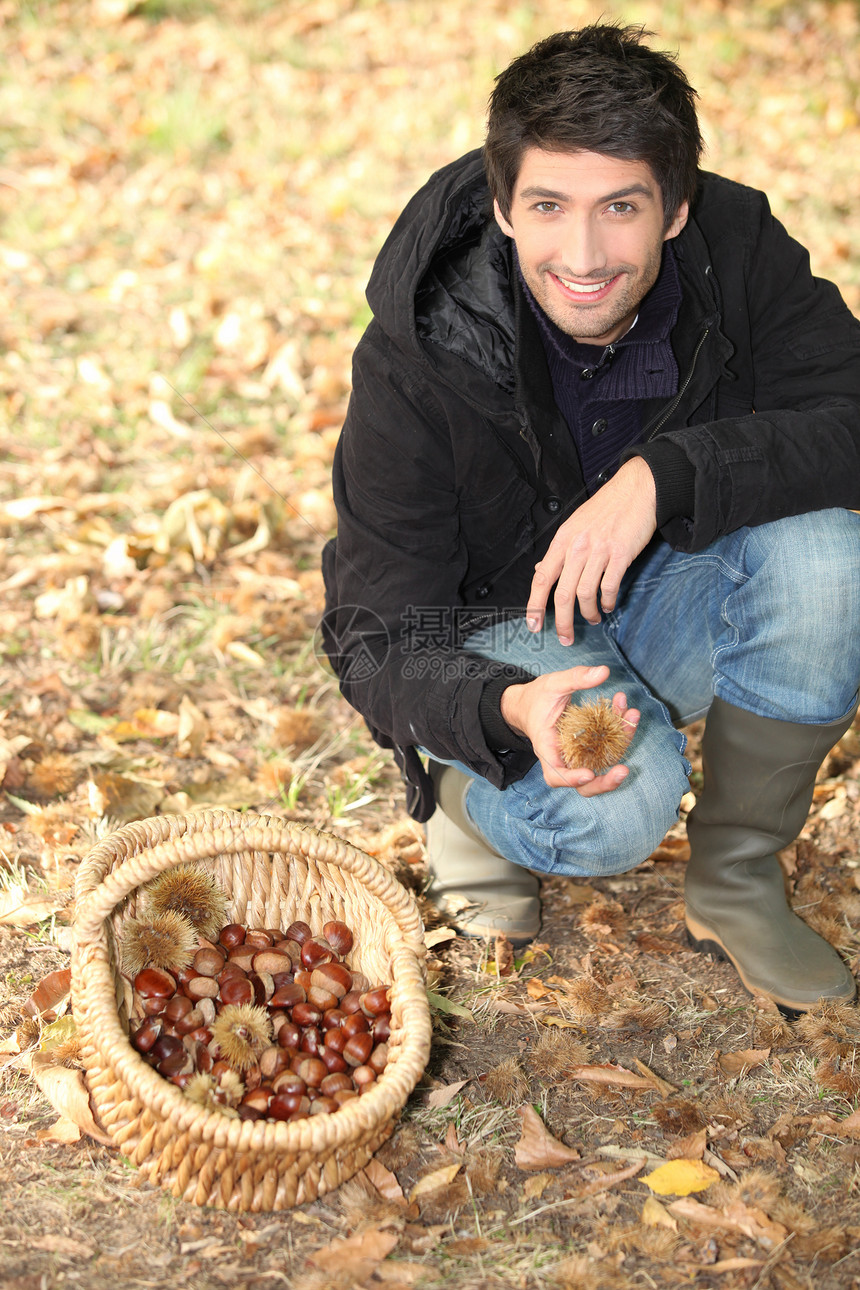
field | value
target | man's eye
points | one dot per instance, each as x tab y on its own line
621	208
548	207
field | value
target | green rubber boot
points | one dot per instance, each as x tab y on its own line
479	890
759	776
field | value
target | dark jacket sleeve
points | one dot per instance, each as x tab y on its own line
797	361
394	575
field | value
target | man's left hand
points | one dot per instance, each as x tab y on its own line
592	550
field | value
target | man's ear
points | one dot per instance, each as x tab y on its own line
503	224
681	217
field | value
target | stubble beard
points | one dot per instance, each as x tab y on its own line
592	323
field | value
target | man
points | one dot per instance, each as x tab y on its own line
604	436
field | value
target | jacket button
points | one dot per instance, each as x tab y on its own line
599	426
552	505
483	591
603	476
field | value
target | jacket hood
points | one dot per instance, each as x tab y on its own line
440	287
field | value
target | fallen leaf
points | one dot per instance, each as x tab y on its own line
738	1063
663	1087
737	1217
654	1215
434	1180
192	731
610	1180
680	1177
66	1091
610	1074
439	935
50	996
561	1022
447	1006
452	1142
692	1147
384	1181
537	1148
442	1096
22	910
53	1243
355	1258
534	1187
63	1130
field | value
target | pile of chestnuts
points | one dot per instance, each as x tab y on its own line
264	1024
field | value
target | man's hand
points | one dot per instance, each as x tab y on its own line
533	708
593	549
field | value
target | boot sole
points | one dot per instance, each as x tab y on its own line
704	942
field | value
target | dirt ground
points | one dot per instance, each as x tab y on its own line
192	195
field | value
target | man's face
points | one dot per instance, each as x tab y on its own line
589	235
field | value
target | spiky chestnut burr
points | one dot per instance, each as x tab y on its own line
189	890
165	941
592	735
204	1090
241	1032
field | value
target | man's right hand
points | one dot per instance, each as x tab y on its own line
533	708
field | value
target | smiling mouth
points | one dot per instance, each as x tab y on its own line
586	291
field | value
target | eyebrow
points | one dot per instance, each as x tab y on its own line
548	194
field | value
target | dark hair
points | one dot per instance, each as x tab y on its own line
595	90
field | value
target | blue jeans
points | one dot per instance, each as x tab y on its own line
767	618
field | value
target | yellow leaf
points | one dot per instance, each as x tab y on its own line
535	1186
680	1177
433	1181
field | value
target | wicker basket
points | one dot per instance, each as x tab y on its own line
273	872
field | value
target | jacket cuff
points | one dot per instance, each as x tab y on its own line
674	477
497	732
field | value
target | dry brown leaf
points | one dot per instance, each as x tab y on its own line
443	1096
66	1091
655	1215
192	731
738	1063
663	1087
63	1130
452	1142
53	1243
737	1217
51	996
384	1181
537	1148
692	1147
355	1257
434	1180
611	1180
610	1074
534	1187
17	910
120	798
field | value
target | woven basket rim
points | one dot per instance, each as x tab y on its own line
95	974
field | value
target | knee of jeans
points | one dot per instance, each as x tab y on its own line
627	827
815	556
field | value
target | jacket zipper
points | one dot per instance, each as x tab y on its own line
682	391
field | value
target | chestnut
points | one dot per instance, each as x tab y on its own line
271	961
339	936
321	998
232	935
259	938
289	1035
357	1049
311	1070
208	961
333	977
145	1036
378	1058
202	987
334	1082
287	996
305	1014
374	1002
333	1061
237	990
323	1106
311	1041
298	931
154	983
315	952
363	1075
356	1023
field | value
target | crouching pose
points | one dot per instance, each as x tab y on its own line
604	437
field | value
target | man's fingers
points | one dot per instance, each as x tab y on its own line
604	783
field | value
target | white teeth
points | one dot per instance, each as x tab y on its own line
583	290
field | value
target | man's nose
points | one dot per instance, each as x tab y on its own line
584	253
